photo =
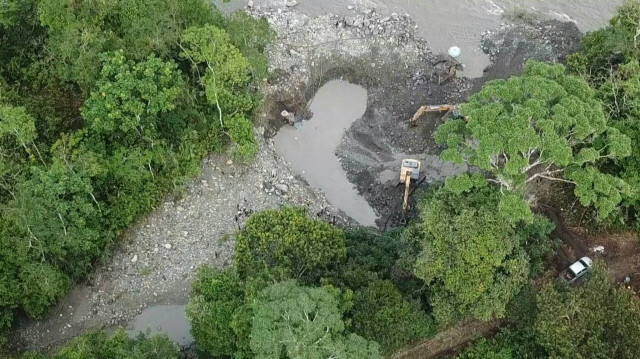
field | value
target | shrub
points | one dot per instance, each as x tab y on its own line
99	345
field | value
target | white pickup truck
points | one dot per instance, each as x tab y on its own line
576	270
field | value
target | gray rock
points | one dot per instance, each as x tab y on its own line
282	187
292	3
293	52
268	187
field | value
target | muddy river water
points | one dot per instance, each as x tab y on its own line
165	319
310	146
445	23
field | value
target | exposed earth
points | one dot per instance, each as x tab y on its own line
387	54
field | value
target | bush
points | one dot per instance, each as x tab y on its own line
507	344
288	244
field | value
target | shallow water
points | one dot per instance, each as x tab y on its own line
310	147
166	319
446	23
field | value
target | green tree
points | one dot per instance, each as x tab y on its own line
98	123
596	320
544	124
295	322
80	32
604	49
380	314
251	36
55	231
17	147
225	77
215	297
288	244
22	37
371	256
129	126
472	257
130	98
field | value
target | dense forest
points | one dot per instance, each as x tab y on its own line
104	108
107	106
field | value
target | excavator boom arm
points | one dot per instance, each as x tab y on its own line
432	108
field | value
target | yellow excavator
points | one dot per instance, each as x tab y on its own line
446	109
410	170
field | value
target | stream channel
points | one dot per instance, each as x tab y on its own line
446	23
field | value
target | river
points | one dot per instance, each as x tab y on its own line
446	23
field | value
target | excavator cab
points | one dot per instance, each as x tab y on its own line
409	168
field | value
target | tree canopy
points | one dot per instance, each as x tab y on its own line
608	59
545	124
80	32
288	244
105	107
596	320
215	298
295	322
473	257
381	314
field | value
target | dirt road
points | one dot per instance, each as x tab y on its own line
450	340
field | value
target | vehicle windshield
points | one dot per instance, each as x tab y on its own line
583	263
